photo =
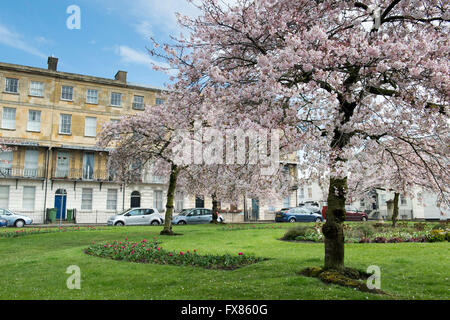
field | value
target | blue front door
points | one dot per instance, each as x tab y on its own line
60	204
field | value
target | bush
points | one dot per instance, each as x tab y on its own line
366	230
437	235
293	233
419	226
395	240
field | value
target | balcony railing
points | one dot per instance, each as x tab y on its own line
21	172
81	174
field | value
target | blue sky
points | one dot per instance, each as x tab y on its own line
113	35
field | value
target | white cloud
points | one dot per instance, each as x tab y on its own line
15	40
130	55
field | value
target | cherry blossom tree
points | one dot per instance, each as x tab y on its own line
341	79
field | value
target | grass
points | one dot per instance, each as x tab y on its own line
34	267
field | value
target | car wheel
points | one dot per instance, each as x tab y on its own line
292	220
318	220
119	224
364	219
182	222
155	223
19	223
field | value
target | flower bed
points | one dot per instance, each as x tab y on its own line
249	227
30	231
371	233
151	252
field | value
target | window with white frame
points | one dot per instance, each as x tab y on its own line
36	89
138	103
301	193
90	127
6	160
115	121
65	124
67	93
29	196
34	121
12	85
402	200
159	101
4	197
9	118
31	163
310	193
111	199
179	201
158	199
116	99
86	198
286	202
92	96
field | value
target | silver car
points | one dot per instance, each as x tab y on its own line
137	217
195	216
13	219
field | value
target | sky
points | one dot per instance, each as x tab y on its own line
113	35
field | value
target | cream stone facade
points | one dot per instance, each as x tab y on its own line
51	120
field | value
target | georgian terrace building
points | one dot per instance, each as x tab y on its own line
51	119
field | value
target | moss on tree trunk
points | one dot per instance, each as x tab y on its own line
170	200
395	212
333	228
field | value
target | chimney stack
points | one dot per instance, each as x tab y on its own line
52	63
121	76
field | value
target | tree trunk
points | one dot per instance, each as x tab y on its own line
170	200
333	228
395	212
215	208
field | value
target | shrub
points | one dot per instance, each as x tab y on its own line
419	226
366	230
295	232
437	236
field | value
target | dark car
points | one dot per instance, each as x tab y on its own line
299	214
351	214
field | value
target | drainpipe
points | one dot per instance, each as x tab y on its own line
46	183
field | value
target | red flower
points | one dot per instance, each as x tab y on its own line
240	253
181	253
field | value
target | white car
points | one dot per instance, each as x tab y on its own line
137	217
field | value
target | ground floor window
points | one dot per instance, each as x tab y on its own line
158	199
179	201
4	197
86	199
111	199
29	195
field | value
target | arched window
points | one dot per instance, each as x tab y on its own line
135	199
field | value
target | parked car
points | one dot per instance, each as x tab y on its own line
3	222
137	216
195	216
299	214
351	214
14	219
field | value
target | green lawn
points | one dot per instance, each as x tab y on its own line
34	267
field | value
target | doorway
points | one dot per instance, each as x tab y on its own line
135	199
61	203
